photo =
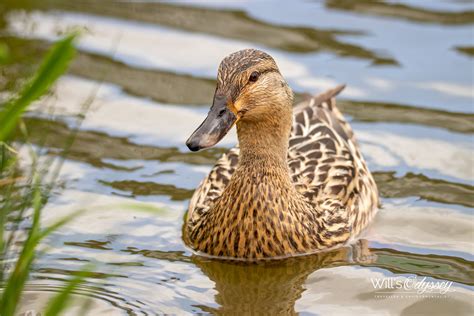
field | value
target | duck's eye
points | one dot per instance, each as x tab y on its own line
254	76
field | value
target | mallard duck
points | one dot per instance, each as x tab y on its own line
296	183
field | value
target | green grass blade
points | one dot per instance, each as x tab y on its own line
54	65
4	53
16	281
61	222
58	304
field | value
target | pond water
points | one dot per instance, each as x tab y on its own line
149	68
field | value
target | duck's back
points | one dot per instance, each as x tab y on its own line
325	161
325	164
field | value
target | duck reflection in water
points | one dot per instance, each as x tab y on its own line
271	287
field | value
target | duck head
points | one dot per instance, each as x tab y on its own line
249	89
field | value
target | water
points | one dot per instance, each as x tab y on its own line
151	68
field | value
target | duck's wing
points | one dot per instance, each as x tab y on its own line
325	162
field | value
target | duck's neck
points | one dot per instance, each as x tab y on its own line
264	143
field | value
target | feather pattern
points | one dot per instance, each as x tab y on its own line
325	165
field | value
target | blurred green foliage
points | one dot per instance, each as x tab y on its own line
4	53
20	193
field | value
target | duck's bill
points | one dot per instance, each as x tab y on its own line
216	125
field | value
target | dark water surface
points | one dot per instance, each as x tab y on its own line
409	70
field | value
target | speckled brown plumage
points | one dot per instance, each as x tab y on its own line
296	184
